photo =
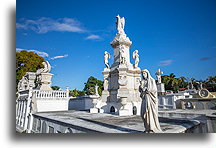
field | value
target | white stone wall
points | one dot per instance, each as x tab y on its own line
167	102
52	105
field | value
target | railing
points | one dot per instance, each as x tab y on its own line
22	111
24	104
51	94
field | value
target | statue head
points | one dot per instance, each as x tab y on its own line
146	74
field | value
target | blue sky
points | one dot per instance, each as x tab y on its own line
176	36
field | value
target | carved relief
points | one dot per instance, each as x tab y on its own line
23	84
137	83
122	80
106	82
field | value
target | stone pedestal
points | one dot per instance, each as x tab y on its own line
93	110
122	80
31	77
124	112
44	81
161	89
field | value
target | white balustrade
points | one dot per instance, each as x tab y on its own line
23	109
51	94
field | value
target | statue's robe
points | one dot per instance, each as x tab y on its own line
149	107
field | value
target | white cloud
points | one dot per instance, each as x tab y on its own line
19	49
165	63
58	57
40	53
93	37
44	25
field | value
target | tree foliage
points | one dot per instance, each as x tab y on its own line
27	62
90	86
75	93
174	84
55	87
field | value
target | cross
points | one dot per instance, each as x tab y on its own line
158	75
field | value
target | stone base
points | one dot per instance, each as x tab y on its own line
93	110
107	123
45	81
161	88
124	112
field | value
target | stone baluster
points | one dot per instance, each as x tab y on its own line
23	113
27	110
21	109
30	123
38	94
18	112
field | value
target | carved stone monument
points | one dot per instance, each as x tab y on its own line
27	81
121	81
160	85
43	78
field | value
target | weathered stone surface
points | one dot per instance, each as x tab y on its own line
122	79
80	121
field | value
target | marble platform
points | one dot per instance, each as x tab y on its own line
84	122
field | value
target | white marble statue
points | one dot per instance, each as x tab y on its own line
46	69
122	56
96	90
23	84
149	106
158	75
136	58
120	23
106	57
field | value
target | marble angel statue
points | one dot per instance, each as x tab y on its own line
46	69
106	58
136	58
120	23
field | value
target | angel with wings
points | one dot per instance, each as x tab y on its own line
120	23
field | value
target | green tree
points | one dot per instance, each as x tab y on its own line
171	83
182	82
55	87
90	86
210	83
75	93
27	62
